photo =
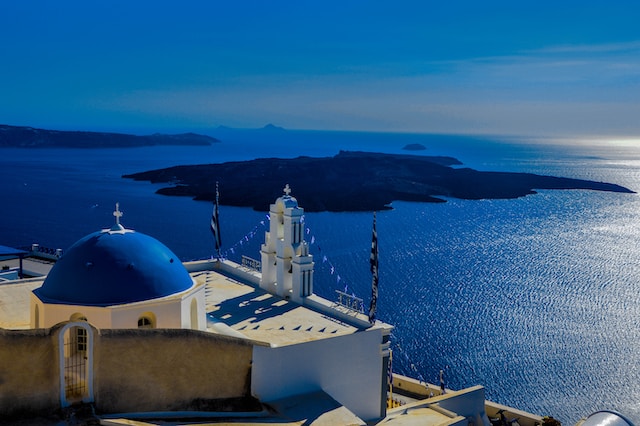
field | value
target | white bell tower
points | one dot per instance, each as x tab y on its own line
287	266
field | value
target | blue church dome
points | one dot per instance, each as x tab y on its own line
113	267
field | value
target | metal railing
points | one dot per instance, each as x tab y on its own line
350	302
250	263
38	250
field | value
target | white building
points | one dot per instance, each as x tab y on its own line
121	323
313	344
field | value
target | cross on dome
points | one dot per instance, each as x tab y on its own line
287	190
118	214
117	227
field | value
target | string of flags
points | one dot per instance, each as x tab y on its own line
326	260
245	239
398	350
215	229
263	225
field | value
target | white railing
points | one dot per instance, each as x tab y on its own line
350	302
45	252
250	263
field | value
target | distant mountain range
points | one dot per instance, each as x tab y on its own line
271	128
29	137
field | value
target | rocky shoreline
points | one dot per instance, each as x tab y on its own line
31	137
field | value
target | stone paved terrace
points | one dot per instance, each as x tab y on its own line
261	316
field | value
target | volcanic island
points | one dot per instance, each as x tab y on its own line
353	181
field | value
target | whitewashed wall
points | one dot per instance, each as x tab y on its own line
170	312
348	368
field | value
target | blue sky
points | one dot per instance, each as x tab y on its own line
560	69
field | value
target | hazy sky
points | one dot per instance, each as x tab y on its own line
557	68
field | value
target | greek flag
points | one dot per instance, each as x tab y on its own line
215	224
374	272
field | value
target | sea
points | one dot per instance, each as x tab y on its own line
535	298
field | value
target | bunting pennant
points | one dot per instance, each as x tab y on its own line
245	239
332	270
374	272
235	248
215	223
398	349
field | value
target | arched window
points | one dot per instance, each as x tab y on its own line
144	322
77	317
81	334
147	320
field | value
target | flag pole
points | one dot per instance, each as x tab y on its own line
215	223
390	376
373	260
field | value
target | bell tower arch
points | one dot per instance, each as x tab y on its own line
287	266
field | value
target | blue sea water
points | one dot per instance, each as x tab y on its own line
535	298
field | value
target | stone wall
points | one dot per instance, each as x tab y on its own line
133	370
29	378
158	370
